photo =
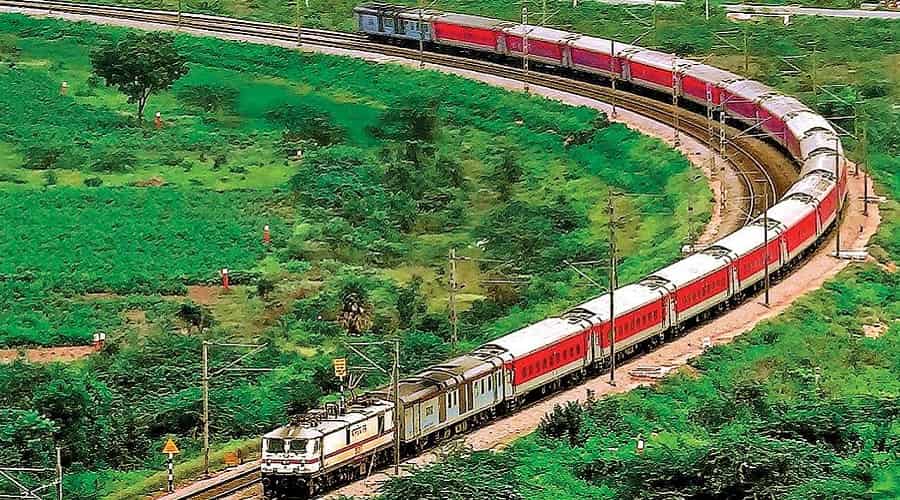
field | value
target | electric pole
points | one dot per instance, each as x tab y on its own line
525	32
299	24
180	8
864	140
610	210
421	36
205	381
454	332
206	376
615	74
395	386
766	243
395	376
675	123
837	180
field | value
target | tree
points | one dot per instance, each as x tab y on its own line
411	303
264	286
356	311
196	316
564	422
140	65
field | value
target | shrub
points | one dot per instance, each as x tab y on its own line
564	422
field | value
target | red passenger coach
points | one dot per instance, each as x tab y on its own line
544	44
545	351
473	32
699	281
704	84
641	312
650	68
594	55
741	99
747	244
802	225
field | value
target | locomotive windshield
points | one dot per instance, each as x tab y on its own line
299	446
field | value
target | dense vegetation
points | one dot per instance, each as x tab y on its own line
116	226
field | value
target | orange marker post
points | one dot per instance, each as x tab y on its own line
267	236
225	282
157	120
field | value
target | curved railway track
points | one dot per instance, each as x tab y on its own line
756	163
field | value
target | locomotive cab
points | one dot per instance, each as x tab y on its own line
292	450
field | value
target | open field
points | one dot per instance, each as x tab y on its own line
116	226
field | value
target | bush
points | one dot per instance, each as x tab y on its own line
209	98
115	160
564	422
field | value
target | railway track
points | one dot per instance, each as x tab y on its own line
756	163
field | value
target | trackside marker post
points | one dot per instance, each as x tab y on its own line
157	120
170	449
225	281
267	235
64	88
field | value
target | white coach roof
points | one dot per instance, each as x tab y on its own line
653	58
628	298
745	239
691	268
789	212
540	33
815	185
600	45
536	336
709	73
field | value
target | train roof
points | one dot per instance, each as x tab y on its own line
782	106
356	412
709	73
600	45
627	298
690	269
653	58
816	185
744	240
805	120
789	211
434	379
821	161
536	336
749	89
473	21
540	33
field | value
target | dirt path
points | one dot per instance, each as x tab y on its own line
47	354
856	230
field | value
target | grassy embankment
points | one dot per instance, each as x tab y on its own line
113	226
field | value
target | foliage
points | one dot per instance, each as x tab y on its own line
89	241
564	421
140	65
460	474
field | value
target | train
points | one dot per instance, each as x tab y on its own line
335	444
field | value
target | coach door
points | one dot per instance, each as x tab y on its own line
735	283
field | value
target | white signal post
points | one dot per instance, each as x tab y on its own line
170	449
